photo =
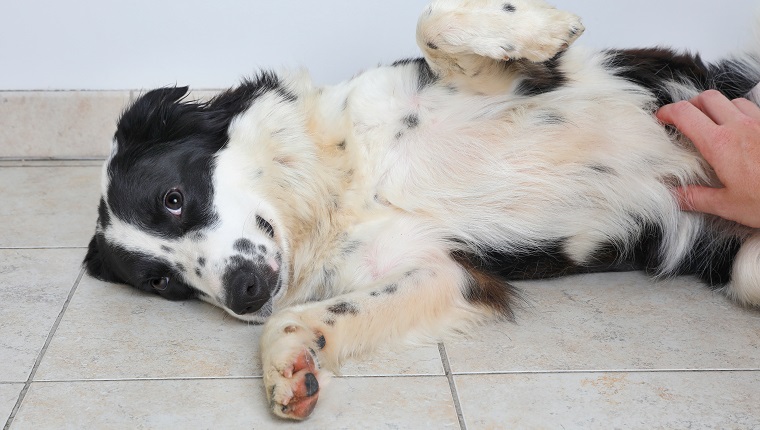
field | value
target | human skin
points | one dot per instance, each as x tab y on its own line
727	134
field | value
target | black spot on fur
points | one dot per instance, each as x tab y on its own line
181	268
343	308
350	247
244	246
321	341
508	7
411	120
654	68
265	226
390	289
551	118
198	272
538	78
167	249
399	135
330	322
202	261
432	46
599	168
425	75
342	145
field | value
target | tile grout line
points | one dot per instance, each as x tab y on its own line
40	247
220	378
595	371
452	385
37	362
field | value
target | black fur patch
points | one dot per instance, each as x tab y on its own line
550	117
104	218
244	246
508	7
599	168
110	263
265	226
201	261
654	68
425	75
321	341
538	78
411	120
343	308
711	258
484	286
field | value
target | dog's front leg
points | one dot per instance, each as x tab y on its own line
471	37
302	344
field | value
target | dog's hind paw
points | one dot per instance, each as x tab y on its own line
519	29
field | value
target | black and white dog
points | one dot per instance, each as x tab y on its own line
401	203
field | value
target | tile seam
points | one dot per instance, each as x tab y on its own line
560	372
452	386
51	333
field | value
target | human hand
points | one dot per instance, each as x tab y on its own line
727	134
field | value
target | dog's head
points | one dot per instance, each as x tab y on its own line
172	222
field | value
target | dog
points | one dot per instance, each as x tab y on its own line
402	203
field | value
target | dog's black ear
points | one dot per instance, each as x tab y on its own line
158	115
94	262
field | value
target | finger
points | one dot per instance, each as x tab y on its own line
693	123
747	108
703	199
717	106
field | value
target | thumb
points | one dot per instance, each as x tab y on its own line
702	199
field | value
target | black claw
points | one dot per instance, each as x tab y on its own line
312	386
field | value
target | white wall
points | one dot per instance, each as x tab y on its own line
124	44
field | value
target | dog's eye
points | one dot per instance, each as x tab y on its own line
173	201
159	284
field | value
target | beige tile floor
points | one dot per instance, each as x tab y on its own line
603	351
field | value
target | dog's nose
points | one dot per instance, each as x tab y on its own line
246	294
247	288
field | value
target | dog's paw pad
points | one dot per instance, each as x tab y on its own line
295	390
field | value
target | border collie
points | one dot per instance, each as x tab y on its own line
401	203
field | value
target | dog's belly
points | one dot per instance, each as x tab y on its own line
508	170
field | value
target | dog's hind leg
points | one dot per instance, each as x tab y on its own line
425	302
473	37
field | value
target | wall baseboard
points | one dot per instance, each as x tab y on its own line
63	124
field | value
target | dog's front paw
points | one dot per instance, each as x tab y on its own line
292	375
293	387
